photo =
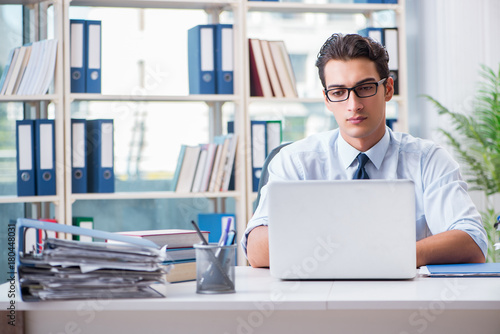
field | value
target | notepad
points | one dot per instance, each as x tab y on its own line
465	269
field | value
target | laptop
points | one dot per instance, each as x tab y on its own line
345	229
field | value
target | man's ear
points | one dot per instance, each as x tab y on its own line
389	89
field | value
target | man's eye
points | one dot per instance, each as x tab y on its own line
337	92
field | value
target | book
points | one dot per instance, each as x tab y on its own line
181	254
284	68
181	272
173	238
260	84
463	269
188	169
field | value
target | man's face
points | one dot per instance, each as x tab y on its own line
361	120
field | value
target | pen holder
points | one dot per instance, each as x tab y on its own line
215	268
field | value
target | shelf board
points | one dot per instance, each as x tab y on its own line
153	195
186	4
27	98
341	8
154	98
27	199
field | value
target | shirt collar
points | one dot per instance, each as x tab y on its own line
348	154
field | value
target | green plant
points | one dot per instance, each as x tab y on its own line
476	140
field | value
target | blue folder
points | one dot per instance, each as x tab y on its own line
93	58
78	156
45	165
464	269
78	51
224	58
100	159
201	59
25	147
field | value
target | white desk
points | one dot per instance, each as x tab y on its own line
266	305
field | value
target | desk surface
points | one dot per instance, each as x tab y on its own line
263	304
256	286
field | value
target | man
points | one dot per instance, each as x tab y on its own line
355	76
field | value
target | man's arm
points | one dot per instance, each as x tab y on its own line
258	247
454	246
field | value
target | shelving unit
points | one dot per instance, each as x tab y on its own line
240	10
56	98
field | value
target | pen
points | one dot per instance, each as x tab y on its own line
224	235
230	237
203	240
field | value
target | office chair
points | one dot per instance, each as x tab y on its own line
264	176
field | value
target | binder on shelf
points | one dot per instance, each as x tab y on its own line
259	145
78	51
274	135
45	157
376	34
201	62
391	43
224	58
83	222
78	156
25	145
100	160
93	57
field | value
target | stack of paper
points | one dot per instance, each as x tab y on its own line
69	269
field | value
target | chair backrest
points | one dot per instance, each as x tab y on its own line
264	177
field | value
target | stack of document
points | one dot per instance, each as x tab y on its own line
69	269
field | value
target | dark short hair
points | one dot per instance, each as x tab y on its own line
352	46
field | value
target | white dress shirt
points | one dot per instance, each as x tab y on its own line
442	201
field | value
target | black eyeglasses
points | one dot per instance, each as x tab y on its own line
361	91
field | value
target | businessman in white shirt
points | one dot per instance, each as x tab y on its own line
355	76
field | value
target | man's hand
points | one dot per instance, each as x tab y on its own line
452	246
258	247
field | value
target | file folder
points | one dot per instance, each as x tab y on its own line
391	43
93	59
224	58
259	143
25	145
201	59
78	50
100	160
377	34
83	222
45	157
78	156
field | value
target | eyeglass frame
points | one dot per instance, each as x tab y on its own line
355	92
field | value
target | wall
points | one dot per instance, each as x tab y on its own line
447	42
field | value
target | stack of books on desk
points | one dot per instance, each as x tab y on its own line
69	269
178	247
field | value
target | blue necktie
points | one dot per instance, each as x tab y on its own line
361	172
